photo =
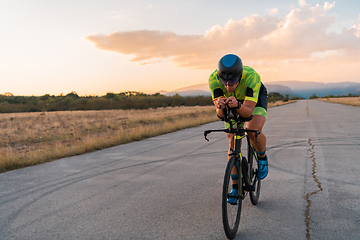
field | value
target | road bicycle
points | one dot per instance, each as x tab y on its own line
244	169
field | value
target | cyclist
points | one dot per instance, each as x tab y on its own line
240	87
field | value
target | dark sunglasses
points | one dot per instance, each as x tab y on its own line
230	82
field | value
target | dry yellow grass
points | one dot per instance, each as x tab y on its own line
279	103
28	139
353	101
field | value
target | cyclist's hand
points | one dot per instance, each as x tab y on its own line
220	103
232	102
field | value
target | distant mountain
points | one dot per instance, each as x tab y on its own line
189	92
306	89
194	90
163	92
203	89
283	90
297	85
200	86
293	88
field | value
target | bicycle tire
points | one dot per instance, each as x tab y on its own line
231	213
256	183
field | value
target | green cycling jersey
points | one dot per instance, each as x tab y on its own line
250	88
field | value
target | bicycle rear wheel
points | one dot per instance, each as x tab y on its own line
256	183
231	212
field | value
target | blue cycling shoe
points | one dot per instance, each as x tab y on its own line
233	197
263	168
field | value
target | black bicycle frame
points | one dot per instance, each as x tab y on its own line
239	132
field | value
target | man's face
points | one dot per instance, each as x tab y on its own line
231	88
231	84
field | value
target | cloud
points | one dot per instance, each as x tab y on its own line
273	11
149	62
196	51
302	35
356	27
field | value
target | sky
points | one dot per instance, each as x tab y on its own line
93	47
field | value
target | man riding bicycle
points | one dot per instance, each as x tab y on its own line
240	87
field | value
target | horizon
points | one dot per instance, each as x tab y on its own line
142	46
191	87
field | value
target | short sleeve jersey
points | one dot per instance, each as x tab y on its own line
248	88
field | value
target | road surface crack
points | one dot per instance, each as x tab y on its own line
307	109
307	197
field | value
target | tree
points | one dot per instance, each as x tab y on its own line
8	94
73	94
45	97
286	99
275	95
110	95
313	96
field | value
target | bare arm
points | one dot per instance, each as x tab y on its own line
220	105
245	109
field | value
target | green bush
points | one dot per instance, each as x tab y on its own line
72	101
313	96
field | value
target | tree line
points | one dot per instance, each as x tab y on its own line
123	100
275	96
72	101
313	96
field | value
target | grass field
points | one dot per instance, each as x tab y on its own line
353	101
27	139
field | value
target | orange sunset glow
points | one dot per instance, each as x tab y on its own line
136	47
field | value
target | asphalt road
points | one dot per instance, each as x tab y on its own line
169	187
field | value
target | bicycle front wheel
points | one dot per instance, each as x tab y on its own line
255	182
231	211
